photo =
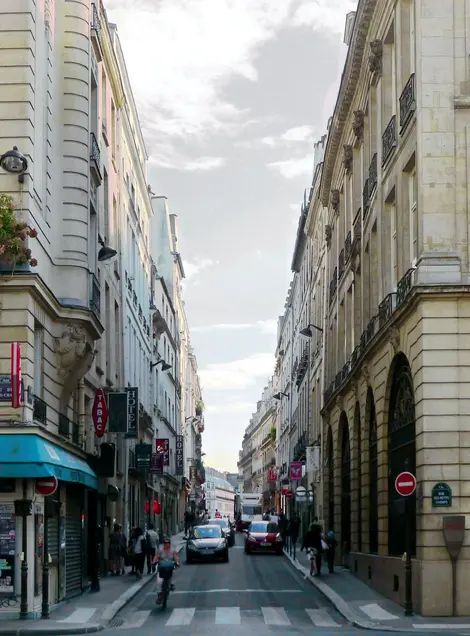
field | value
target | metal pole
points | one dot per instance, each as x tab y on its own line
24	562
408	571
126	489
45	565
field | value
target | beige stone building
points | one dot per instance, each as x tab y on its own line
395	184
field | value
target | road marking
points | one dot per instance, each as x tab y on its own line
437	626
275	616
80	615
225	590
377	613
137	621
182	616
321	618
227	616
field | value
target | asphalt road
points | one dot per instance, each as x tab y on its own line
250	595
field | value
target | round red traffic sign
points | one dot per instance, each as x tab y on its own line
405	484
289	494
46	486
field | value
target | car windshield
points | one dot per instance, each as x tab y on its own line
252	510
207	532
223	523
264	527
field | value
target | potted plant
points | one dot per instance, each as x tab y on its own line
13	237
272	433
199	408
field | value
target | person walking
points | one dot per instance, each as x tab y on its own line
315	543
115	550
283	525
332	543
140	549
294	529
152	545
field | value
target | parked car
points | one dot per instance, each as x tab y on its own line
227	529
263	536
206	542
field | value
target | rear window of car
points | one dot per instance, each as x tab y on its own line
207	532
264	527
223	523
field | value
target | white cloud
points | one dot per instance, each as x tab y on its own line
292	168
205	163
321	15
200	264
238	374
268	327
295	207
299	133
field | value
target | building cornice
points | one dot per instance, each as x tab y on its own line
347	90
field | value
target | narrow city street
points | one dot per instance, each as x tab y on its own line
252	594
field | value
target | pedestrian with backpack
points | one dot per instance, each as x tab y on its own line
153	540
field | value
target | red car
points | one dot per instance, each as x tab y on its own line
263	536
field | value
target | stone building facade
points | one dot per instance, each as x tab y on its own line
395	185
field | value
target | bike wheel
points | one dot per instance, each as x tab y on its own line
166	592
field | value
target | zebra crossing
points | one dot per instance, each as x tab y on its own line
268	616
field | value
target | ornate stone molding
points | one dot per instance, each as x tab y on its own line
358	124
75	355
335	199
375	57
340	403
394	337
328	235
348	158
366	373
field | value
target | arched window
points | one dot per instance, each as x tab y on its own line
357	429
331	480
345	484
401	455
373	477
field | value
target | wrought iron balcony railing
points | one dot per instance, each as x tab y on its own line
407	103
389	140
39	410
347	247
386	309
96	22
64	425
95	158
365	198
341	264
95	294
372	176
404	287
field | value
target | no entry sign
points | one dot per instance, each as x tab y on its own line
46	486
289	494
405	484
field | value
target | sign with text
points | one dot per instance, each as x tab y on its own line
441	495
99	413
118	412
179	455
143	455
296	471
132	412
156	464
5	389
272	474
162	445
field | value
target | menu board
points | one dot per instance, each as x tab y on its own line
7	548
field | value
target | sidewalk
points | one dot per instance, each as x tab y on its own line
364	607
89	613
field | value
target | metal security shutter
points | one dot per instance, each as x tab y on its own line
53	538
73	546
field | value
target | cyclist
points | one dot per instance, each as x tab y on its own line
166	558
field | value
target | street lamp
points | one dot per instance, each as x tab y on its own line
165	365
105	252
278	396
308	333
14	162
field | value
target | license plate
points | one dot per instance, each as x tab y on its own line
209	552
265	544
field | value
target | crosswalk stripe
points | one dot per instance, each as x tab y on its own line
275	616
181	616
321	618
80	615
227	616
375	612
138	620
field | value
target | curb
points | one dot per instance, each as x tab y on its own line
52	630
355	619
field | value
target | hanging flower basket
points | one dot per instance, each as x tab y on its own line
14	252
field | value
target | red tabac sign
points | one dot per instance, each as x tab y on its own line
100	413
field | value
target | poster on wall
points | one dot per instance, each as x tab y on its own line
39	551
7	548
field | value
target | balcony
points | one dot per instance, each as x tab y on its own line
365	199
95	159
386	309
404	287
333	285
68	429
372	176
95	295
407	103
39	410
389	140
341	264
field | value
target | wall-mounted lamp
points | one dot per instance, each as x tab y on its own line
308	333
14	162
105	252
278	396
165	365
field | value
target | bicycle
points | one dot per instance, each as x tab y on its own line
166	574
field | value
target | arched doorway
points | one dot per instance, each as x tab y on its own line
358	437
331	479
401	455
345	484
373	476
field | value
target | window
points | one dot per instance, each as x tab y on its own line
394	245
413	210
38	359
104	102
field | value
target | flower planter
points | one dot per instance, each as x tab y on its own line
198	412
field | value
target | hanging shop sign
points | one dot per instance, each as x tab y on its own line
296	471
118	412
272	474
156	464
162	445
143	454
179	455
441	495
132	412
99	413
15	375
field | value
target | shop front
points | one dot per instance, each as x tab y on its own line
51	531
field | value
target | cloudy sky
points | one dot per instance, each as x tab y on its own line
232	94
